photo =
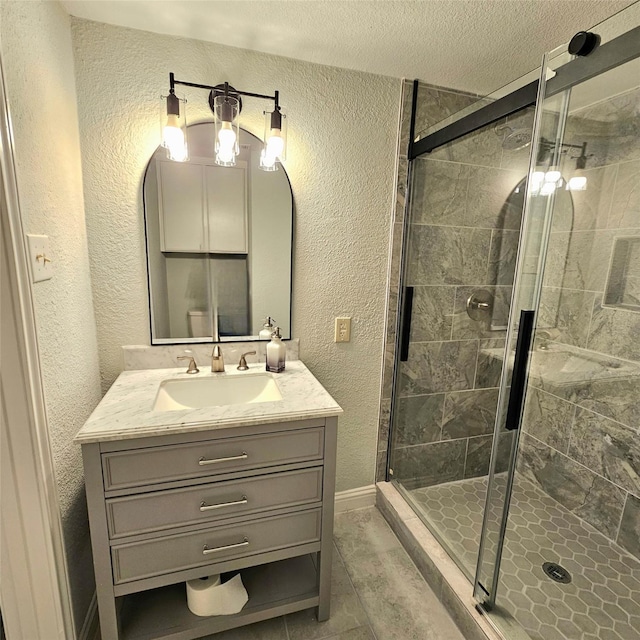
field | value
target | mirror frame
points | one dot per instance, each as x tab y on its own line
154	341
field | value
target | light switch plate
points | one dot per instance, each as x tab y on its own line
40	264
342	330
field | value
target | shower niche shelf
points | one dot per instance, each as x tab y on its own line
623	281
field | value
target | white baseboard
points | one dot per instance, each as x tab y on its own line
91	627
355	499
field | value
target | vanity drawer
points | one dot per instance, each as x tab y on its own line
160	556
140	467
148	512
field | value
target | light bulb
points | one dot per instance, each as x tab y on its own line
577	183
173	139
552	176
275	144
548	188
225	155
226	136
267	161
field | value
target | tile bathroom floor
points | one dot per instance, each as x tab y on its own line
377	593
603	600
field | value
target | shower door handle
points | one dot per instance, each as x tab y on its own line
520	368
405	330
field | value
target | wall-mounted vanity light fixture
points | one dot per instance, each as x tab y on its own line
226	103
546	182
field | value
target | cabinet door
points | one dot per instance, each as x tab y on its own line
181	206
226	192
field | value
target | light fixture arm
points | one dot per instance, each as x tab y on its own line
173	82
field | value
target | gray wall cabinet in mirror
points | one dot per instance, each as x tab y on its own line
219	243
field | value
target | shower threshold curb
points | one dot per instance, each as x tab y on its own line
438	569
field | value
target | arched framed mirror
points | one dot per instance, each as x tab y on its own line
219	243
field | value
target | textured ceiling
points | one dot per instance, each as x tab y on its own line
476	45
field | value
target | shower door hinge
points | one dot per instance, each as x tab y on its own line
390	472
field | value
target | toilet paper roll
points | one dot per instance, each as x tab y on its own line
209	597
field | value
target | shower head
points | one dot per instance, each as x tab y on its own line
517	140
513	140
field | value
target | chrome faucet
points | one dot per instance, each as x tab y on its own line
193	367
243	366
217	361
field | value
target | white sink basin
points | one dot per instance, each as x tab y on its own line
196	393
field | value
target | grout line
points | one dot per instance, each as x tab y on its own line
466	454
573	421
624	506
353	586
584	466
475	371
588	409
591	314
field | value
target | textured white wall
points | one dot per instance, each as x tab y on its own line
38	63
340	158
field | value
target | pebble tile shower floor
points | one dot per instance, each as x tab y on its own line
602	602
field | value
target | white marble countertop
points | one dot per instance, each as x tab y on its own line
126	411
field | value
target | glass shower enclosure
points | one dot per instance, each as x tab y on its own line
516	401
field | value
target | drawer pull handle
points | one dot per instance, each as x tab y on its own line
206	551
203	461
209	507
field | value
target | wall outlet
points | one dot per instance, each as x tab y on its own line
343	330
39	257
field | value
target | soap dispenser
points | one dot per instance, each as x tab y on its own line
267	328
276	352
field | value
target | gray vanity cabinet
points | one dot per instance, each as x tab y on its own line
167	509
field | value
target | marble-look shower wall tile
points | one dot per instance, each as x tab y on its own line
568	311
448	255
437	103
583	492
432	313
483	147
583	265
479	455
401	191
381	466
548	418
469	413
434	367
387	369
503	256
492	325
618	399
396	257
608	448
614	331
384	420
611	128
418	419
625	205
439	192
489	202
489	368
424	465
405	119
629	536
592	205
